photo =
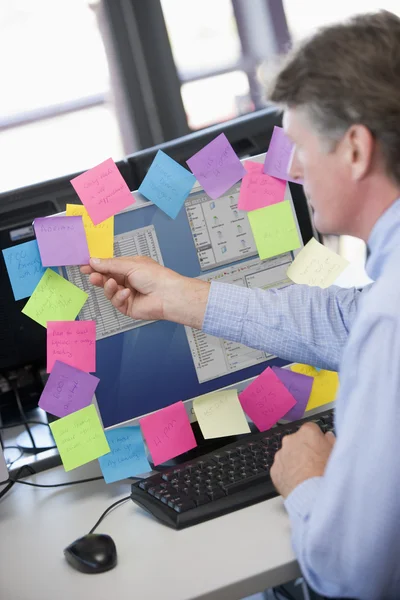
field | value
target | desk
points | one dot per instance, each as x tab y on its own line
223	559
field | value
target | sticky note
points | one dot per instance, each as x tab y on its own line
216	167
100	238
220	414
325	385
127	457
278	157
54	299
24	268
62	241
168	433
103	191
167	184
266	400
72	342
67	390
274	229
79	438
316	265
258	190
299	386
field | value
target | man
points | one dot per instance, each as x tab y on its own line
341	95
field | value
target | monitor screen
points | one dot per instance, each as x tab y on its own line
145	366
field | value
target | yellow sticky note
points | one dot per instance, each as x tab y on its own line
274	229
220	414
316	265
80	437
100	237
325	385
54	299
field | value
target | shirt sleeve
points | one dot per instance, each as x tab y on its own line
345	525
298	323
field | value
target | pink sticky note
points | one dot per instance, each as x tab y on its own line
266	400
73	343
103	191
168	433
216	167
62	241
259	190
277	159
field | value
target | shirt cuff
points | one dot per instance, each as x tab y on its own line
226	310
300	501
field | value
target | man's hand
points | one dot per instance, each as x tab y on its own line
142	289
303	455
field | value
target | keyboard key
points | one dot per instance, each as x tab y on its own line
180	507
201	499
217	494
237	486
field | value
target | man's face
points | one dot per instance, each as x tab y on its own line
327	177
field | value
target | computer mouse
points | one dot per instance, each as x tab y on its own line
92	553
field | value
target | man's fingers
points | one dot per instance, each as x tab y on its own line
330	437
86	269
112	266
120	298
97	279
110	288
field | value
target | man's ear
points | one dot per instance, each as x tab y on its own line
359	147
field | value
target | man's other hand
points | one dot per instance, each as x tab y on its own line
303	455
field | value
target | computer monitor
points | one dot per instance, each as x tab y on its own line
146	366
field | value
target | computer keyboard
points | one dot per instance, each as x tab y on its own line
235	476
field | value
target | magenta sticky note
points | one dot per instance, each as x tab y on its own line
216	167
62	241
277	159
259	190
266	400
72	342
299	386
67	390
103	191
168	433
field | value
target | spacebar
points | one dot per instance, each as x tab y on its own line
238	486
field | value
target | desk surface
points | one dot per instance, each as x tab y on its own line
226	559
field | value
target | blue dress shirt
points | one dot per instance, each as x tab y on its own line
346	524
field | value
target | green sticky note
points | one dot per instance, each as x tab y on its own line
220	414
80	437
274	229
54	299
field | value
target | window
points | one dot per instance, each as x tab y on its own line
55	111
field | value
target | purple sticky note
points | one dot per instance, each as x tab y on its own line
62	241
216	167
299	386
67	390
277	159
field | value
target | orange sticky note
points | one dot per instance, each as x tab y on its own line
168	433
73	343
259	190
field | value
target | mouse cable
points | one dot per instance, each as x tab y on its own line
105	513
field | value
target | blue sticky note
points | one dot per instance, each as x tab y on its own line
127	457
167	184
24	268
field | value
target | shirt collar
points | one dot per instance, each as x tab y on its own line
384	237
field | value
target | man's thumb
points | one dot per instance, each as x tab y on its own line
111	266
330	437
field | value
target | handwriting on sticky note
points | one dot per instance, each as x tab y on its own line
299	386
274	229
325	385
258	190
67	389
79	438
103	191
62	241
266	400
127	457
220	414
24	268
316	265
278	157
100	237
72	342
168	433
216	166
167	184
54	299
